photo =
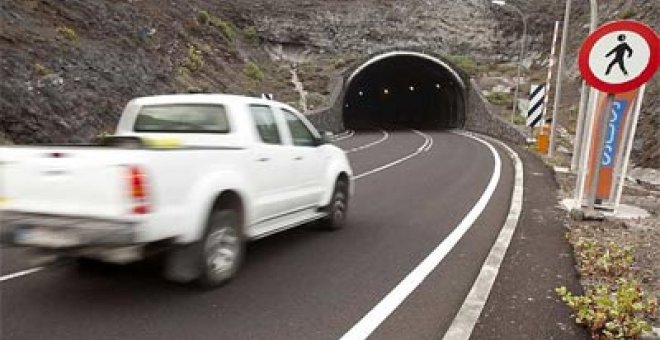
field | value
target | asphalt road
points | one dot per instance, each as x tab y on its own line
415	188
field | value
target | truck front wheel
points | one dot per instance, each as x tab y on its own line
338	207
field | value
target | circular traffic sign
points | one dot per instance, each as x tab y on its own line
619	56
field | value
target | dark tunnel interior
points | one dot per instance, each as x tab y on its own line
404	91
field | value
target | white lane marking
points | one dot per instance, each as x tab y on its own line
363	328
427	141
19	274
368	145
467	317
349	134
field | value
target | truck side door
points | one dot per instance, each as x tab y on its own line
271	168
309	160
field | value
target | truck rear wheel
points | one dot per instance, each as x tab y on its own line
222	248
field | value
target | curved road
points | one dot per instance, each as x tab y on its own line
412	190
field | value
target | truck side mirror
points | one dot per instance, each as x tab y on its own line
326	137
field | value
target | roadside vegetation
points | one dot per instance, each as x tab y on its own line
499	98
67	33
464	62
614	304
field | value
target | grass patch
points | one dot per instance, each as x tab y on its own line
519	120
227	28
42	70
466	63
203	17
499	98
250	34
627	13
194	59
252	71
67	33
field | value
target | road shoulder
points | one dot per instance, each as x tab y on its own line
522	303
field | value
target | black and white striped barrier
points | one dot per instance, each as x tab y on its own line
536	105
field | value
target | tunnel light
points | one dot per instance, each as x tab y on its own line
412	88
360	93
437	86
386	91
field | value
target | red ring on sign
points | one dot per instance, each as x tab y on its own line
624	25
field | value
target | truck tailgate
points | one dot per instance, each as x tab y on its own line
66	181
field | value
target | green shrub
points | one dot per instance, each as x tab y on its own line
627	13
68	33
41	70
250	34
499	98
519	120
195	59
607	261
466	63
227	28
203	17
252	71
618	315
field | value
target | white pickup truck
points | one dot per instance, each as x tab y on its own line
197	175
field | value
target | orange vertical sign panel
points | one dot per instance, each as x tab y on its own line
622	109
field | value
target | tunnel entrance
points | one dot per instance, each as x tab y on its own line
404	90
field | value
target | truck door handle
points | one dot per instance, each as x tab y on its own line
263	159
298	158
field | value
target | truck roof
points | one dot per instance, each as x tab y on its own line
227	99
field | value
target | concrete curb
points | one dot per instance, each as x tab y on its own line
467	317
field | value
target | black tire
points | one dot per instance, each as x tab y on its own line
88	264
337	210
221	249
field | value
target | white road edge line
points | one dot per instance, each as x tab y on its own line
463	324
368	145
427	141
365	326
349	134
19	274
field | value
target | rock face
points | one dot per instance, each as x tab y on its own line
68	66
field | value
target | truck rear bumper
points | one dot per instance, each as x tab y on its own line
57	232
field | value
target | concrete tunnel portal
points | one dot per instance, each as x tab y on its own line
404	90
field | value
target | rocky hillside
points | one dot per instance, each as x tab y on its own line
68	66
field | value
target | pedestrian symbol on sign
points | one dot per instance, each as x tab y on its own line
620	51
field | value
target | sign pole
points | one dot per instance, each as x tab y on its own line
602	137
560	77
585	93
551	64
628	142
585	152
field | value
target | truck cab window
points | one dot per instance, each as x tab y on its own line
183	118
299	131
266	125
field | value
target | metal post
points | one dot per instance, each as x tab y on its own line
560	74
586	149
548	80
602	136
520	61
585	93
628	143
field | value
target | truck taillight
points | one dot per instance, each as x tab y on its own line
138	190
